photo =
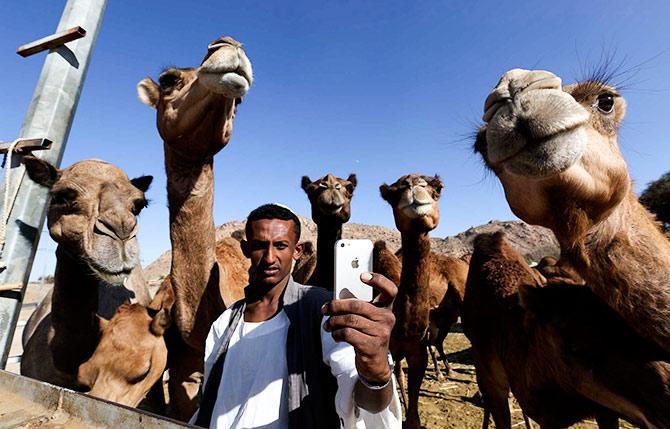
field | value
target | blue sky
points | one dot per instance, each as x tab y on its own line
376	88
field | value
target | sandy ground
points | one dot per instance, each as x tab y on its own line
452	403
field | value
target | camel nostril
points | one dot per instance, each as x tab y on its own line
105	228
523	128
545	82
421	196
515	82
122	230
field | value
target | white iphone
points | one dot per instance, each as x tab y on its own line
352	258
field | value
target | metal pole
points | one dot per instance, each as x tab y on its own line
49	116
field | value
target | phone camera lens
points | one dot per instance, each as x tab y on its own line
341	244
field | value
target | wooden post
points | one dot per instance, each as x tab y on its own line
50	42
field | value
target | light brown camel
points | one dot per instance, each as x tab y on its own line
131	355
304	267
554	148
195	111
414	199
92	215
330	198
447	287
560	349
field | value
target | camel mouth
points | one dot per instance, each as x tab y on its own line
544	157
227	73
416	209
232	84
331	209
114	277
117	279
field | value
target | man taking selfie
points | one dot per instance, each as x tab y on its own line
289	356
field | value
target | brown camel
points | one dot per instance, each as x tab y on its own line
330	198
304	267
447	288
560	349
92	215
414	199
554	148
195	112
124	371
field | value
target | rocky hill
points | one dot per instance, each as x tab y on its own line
533	242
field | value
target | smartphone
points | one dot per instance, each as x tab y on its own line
352	258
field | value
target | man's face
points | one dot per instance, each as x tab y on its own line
271	246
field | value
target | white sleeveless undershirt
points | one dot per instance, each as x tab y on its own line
253	377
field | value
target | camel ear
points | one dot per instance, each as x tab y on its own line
297	253
308	248
102	323
148	92
87	375
385	191
142	183
305	182
40	171
238	234
244	245
164	298
435	183
352	179
160	322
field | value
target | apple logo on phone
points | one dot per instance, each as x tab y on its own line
354	263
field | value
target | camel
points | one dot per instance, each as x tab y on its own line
195	111
330	198
560	349
304	267
447	288
414	199
554	149
92	215
124	371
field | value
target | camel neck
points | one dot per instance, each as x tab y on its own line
627	263
74	323
327	234
412	304
415	262
193	271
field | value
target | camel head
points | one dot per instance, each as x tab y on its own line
92	213
131	355
554	148
330	197
196	106
414	199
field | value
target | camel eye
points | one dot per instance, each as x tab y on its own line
168	81
138	205
605	102
142	375
64	197
322	185
338	186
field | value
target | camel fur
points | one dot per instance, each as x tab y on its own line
563	353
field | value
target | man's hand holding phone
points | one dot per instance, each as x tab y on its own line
366	326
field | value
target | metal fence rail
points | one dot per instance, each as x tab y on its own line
29	403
